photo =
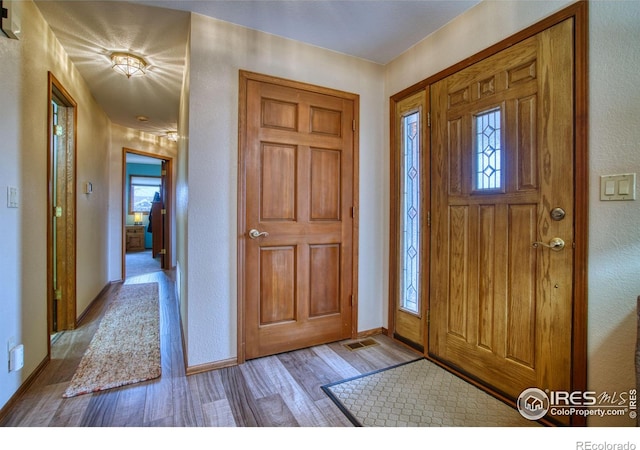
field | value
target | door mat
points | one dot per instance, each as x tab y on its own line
419	394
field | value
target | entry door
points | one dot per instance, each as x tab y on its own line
503	221
299	227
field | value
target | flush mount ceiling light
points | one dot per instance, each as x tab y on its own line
172	136
128	64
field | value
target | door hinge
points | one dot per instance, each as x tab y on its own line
351	300
428	219
428	315
58	294
163	211
163	251
163	173
354	125
353	212
428	119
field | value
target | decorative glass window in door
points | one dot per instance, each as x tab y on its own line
410	213
488	154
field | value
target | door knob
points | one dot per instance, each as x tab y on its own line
556	244
255	234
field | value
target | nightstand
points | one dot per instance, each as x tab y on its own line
135	238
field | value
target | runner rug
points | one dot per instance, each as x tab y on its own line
419	394
126	346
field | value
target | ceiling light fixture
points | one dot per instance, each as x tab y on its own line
172	136
128	64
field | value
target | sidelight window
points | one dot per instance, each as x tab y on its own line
410	214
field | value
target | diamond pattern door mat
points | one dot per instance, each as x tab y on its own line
419	394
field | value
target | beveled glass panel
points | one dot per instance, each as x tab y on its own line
410	214
488	170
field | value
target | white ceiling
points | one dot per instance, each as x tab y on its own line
375	30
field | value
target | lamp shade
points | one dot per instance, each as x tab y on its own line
137	218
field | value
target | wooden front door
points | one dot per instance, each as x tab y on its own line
297	227
502	204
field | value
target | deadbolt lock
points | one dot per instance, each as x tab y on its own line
557	214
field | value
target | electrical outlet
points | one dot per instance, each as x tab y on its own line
16	358
12	197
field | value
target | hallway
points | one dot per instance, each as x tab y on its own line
140	263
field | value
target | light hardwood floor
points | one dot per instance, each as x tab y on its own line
275	391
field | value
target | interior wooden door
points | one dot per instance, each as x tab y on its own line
160	241
299	227
503	216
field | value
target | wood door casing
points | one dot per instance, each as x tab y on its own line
166	194
501	309
298	176
61	219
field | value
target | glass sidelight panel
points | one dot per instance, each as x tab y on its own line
410	214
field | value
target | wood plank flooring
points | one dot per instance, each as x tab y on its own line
274	391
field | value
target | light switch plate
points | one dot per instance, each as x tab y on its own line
618	187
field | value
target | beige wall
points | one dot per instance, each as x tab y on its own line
11	322
182	194
25	64
614	231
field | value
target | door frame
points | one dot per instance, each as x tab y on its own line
244	78
168	201
70	281
578	12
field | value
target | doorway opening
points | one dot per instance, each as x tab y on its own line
61	224
145	210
